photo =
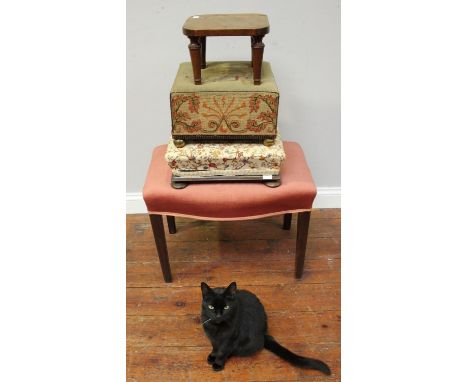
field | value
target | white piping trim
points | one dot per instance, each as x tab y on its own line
327	197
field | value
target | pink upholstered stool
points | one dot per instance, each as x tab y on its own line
230	201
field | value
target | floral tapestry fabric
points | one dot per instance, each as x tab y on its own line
225	158
226	103
224	113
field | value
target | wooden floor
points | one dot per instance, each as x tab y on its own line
165	341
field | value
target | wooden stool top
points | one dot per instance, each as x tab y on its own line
236	24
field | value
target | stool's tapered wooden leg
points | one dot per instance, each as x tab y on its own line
257	53
160	239
195	56
203	51
303	219
251	48
171	224
287	221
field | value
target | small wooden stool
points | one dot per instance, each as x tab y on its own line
230	201
197	28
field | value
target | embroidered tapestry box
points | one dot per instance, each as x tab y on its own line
226	106
229	159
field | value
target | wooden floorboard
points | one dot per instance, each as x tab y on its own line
165	341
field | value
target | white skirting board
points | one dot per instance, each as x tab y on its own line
327	197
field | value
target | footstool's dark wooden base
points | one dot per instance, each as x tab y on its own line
181	140
160	239
180	182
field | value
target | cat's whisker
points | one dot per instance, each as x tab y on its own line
209	319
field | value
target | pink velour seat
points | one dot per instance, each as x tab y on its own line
231	201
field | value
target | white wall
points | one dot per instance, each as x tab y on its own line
303	47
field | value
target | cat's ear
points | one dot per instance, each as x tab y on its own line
206	290
231	290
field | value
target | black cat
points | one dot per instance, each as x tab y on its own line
236	324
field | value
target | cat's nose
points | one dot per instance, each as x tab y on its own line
218	314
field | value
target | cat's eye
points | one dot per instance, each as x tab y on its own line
210	307
226	307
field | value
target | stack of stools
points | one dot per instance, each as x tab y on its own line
224	117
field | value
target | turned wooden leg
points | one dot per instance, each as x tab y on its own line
287	221
257	53
303	219
160	239
171	224
195	56
203	51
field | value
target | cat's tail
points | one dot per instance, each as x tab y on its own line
294	359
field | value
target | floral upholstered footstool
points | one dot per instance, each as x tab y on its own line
226	107
205	162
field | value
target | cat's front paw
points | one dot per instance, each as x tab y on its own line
211	358
217	367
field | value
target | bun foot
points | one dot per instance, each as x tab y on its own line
268	142
179	143
179	185
273	183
